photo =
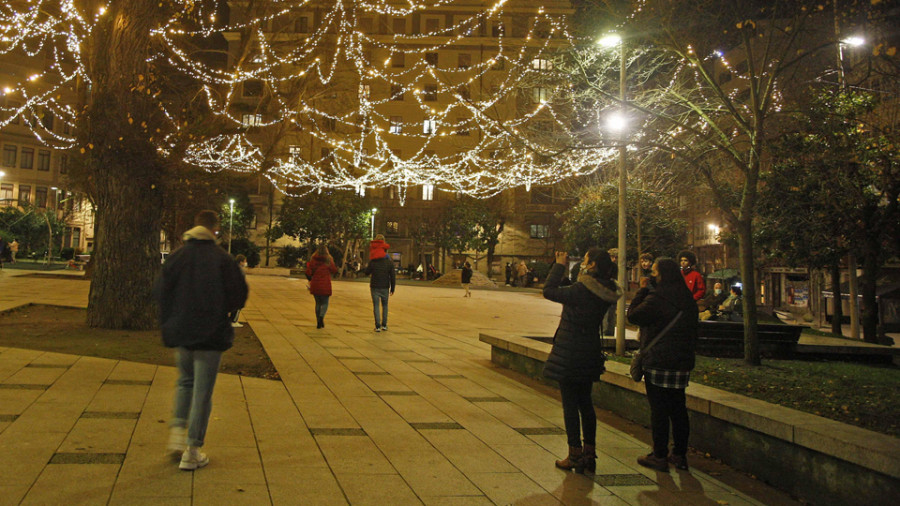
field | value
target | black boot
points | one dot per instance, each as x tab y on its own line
588	459
320	323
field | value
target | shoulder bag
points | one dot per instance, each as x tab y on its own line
637	366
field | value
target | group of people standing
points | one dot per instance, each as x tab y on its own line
666	311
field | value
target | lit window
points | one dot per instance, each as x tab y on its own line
539	231
427	191
24	194
429	126
396	124
364	91
540	95
294	151
251	120
541	64
392	227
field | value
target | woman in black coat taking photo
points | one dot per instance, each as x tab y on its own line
576	360
668	363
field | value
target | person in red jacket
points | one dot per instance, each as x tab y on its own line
378	248
693	278
319	270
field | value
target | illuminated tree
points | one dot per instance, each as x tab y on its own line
708	86
145	96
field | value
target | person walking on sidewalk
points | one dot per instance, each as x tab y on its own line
13	250
319	270
199	290
466	278
241	261
576	358
381	284
668	363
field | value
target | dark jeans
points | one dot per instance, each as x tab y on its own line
578	412
321	305
668	405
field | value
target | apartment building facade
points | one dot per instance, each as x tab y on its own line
34	175
421	114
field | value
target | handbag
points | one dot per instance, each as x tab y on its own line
637	361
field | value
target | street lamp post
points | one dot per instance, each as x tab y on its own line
619	124
374	210
230	222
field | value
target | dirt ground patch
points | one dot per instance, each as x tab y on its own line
63	330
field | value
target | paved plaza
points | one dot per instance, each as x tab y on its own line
414	415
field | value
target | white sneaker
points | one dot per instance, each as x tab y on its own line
193	458
177	442
236	324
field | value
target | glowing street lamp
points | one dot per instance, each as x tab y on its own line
618	124
230	223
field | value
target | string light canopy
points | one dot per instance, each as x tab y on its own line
331	94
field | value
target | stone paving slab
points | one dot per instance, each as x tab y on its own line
414	415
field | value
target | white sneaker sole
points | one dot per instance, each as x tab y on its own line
190	466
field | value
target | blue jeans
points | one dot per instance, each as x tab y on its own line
321	305
382	295
197	371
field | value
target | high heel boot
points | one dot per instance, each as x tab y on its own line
572	461
320	322
589	459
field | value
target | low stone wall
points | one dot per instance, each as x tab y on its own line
820	460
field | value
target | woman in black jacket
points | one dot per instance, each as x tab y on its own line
576	359
668	363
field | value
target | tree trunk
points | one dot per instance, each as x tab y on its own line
871	269
854	296
748	275
837	314
121	169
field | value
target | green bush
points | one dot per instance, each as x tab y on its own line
67	253
541	269
289	256
243	246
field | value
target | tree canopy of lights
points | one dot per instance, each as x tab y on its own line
329	82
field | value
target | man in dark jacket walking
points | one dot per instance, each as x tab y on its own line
200	288
381	285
